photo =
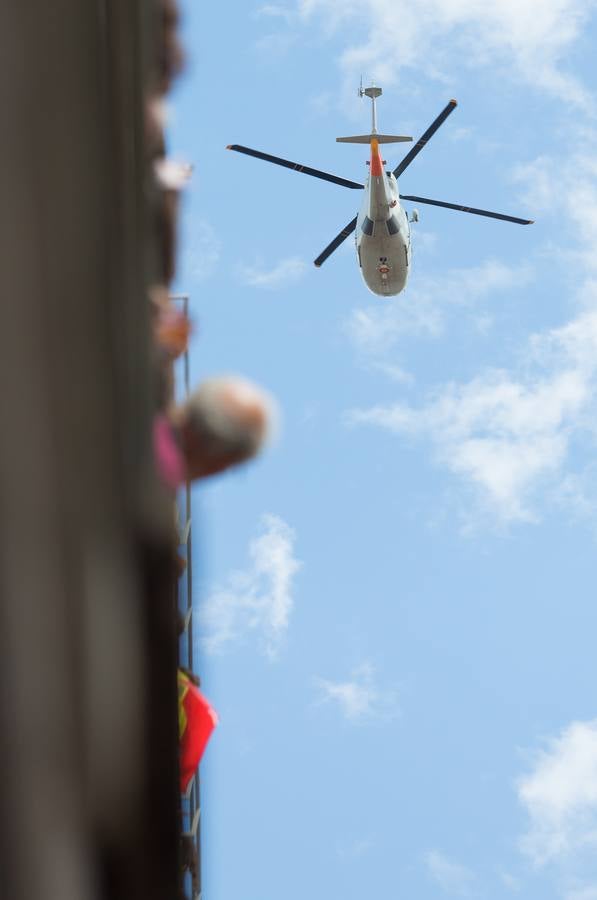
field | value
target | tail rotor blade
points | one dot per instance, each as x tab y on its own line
468	209
339	239
416	149
296	167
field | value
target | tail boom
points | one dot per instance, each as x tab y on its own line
376	160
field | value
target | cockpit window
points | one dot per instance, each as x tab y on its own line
393	226
367	226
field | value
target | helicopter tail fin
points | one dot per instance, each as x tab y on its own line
367	138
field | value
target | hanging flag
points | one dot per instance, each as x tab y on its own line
196	721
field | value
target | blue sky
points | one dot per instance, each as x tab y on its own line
397	599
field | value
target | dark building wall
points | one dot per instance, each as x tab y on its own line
88	783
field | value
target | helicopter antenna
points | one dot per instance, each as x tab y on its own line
373	92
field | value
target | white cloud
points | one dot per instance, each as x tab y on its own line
584	893
259	598
359	698
527	40
394	372
577	494
271	48
560	798
452	877
420	312
275	11
203	251
354	849
576	178
510	882
376	329
286	272
460	134
501	434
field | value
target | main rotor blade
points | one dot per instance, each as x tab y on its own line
339	239
288	164
416	149
468	209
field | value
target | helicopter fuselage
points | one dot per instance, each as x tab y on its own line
382	233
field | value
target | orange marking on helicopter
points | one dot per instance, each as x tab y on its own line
376	162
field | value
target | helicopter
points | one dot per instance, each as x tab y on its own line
382	227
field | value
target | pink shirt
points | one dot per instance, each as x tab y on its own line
169	460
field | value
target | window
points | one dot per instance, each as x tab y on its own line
367	226
393	226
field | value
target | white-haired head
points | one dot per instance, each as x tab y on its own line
224	422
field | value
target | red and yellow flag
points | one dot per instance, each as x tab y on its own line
196	721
